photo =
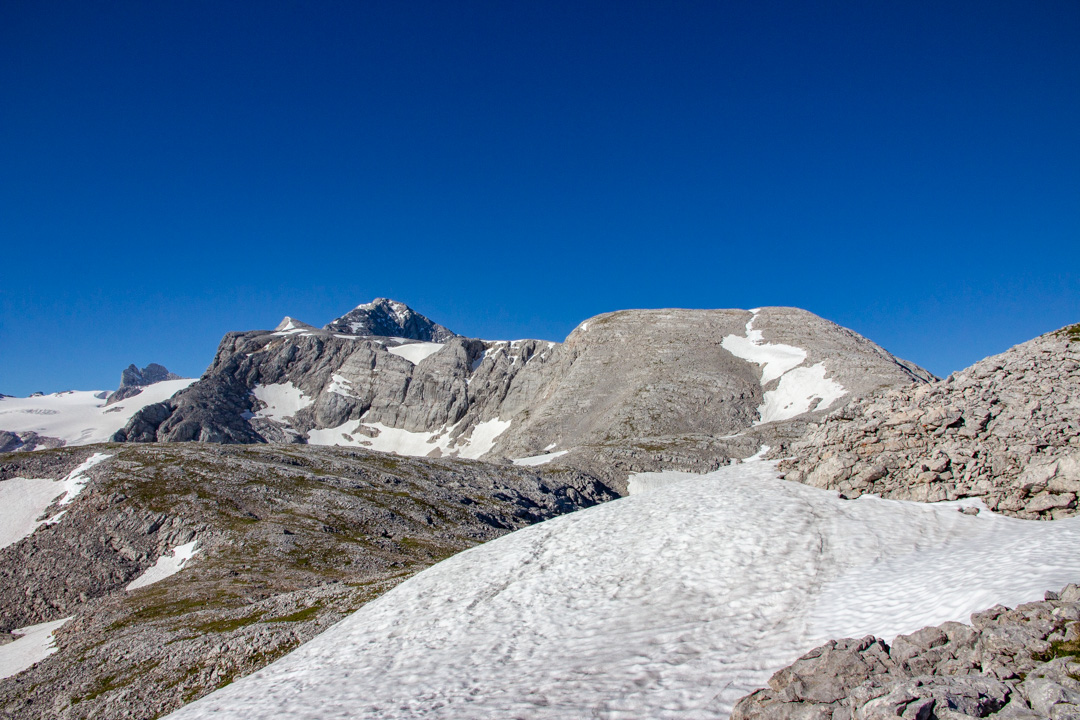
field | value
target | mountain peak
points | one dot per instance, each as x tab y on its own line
389	318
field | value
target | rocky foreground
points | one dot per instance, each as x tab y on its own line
1006	430
290	540
1008	664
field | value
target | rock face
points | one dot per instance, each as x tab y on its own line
133	380
627	391
1006	430
290	539
389	318
1018	664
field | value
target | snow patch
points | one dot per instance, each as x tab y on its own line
283	400
166	566
544	459
799	387
668	604
340	385
796	393
376	436
36	644
23	500
415	352
483	438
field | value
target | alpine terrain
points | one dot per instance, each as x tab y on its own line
670	514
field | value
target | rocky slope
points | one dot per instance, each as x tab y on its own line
289	539
1018	664
1006	430
627	391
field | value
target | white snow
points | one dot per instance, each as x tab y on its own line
80	417
36	644
638	483
166	566
415	352
544	459
799	387
407	442
340	385
668	604
23	500
777	359
796	393
283	400
483	438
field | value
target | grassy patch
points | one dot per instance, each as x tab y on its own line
1060	648
1071	333
298	616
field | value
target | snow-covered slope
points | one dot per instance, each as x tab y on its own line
668	604
80	417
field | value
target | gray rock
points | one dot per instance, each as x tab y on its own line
388	318
1008	665
630	391
1006	430
133	380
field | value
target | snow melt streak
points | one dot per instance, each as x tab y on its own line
669	604
800	389
166	566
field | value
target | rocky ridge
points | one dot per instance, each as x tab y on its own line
1009	663
1006	430
626	392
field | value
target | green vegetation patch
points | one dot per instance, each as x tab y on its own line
298	616
1060	648
1071	333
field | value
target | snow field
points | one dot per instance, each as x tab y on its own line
80	417
166	566
668	604
36	644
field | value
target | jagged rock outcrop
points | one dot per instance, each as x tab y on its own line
389	318
133	380
627	391
1006	430
1017	664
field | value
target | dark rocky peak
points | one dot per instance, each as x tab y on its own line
152	373
389	318
133	380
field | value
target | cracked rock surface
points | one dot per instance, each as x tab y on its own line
1009	663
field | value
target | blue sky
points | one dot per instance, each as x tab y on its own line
173	171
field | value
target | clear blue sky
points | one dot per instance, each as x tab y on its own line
171	171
